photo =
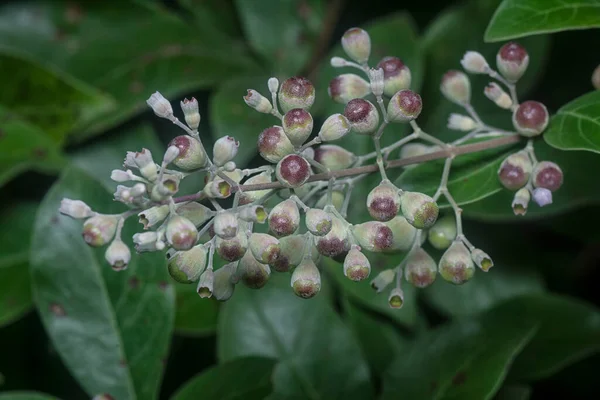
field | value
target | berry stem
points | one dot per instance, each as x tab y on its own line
427	137
512	88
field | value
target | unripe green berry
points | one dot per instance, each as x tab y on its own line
118	255
456	87
396	298
273	144
420	210
420	268
403	234
383	202
253	273
334	157
335	127
336	242
396	75
224	282
357	44
515	170
191	156
187	266
547	175
296	92
404	106
482	259
363	116
512	61
318	222
373	236
293	171
181	233
442	233
297	125
356	265
306	279
265	248
99	230
346	87
530	118
456	265
284	218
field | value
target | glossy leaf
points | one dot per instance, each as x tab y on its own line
283	32
579	188
514	392
467	359
518	18
26	396
318	356
230	115
194	316
167	54
569	330
117	324
247	378
24	146
576	126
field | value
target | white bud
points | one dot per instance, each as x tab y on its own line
122	194
376	78
224	150
337	62
153	215
191	113
118	175
146	241
475	63
494	92
171	154
542	196
75	208
460	122
334	127
137	190
257	101
382	280
160	105
273	84
118	255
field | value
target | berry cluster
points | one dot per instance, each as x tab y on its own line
191	232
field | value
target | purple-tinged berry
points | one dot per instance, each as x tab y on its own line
512	61
530	118
547	174
284	218
297	125
225	225
265	248
420	268
233	249
515	170
396	75
383	202
296	92
181	233
346	87
191	156
357	44
318	222
373	236
336	242
253	273
420	210
456	265
99	230
306	279
273	144
363	116
356	265
293	171
404	106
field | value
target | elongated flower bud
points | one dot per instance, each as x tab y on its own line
224	150
318	222
206	284
296	92
297	125
265	248
195	212
284	218
273	144
521	201
419	209
181	233
460	122
363	116
346	87
404	106
334	128
224	279
494	92
383	202
475	63
75	209
306	279
548	175
144	162
396	75
191	113
334	157
336	242
515	170
191	156
118	255
253	273
356	265
530	118
403	234
512	61
383	279
187	266
396	298
456	265
373	236
293	171
357	44
442	233
253	214
153	216
99	230
420	268
482	259
257	101
160	105
456	87
148	241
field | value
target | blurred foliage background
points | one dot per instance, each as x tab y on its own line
75	76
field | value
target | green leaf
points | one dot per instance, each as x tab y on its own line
569	330
117	324
514	392
473	177
379	339
518	18
142	49
246	378
283	32
579	188
24	146
26	396
219	15
194	316
229	115
318	357
467	359
576	126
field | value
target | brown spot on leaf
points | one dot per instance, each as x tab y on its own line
40	152
54	220
57	310
134	282
136	87
163	285
459	378
73	13
123	362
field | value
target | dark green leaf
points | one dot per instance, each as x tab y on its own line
514	392
579	188
378	337
569	330
24	146
194	316
467	359
15	292
283	32
142	50
518	18
576	126
219	15
246	378
230	115
116	324
26	396
318	357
